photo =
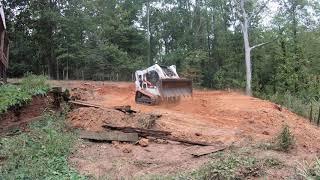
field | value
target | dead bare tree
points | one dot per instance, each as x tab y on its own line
245	19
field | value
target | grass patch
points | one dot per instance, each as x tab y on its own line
224	165
309	170
284	141
19	95
40	153
272	162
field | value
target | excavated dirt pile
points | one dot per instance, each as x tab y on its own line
208	116
92	119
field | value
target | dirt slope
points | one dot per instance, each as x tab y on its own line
209	116
230	117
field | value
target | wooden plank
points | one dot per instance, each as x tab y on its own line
85	104
201	151
142	132
199	143
109	136
154	133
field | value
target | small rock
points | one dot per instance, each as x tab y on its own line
198	134
278	107
126	149
265	133
143	142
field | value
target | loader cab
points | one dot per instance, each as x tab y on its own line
153	77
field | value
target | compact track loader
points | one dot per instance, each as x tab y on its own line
160	83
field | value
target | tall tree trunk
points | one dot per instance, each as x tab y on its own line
57	70
247	60
67	78
148	32
247	49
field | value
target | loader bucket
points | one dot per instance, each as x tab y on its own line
175	88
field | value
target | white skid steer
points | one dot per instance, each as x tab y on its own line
160	83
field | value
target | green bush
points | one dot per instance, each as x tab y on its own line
18	95
285	140
39	154
12	96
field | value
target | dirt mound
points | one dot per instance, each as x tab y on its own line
83	94
92	119
112	89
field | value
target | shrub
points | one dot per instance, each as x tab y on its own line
285	140
18	95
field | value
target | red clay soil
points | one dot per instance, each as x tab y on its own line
20	117
230	117
209	116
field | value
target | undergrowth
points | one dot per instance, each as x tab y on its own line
299	105
18	95
224	165
309	170
40	153
284	141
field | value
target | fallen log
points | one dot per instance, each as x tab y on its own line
206	150
154	133
109	136
124	109
141	132
84	104
199	143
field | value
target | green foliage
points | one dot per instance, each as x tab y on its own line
11	95
299	105
41	153
285	140
18	95
309	170
35	84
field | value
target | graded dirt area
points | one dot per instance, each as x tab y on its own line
230	118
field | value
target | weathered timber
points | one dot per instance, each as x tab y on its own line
84	104
201	151
142	132
199	143
109	136
154	133
124	109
